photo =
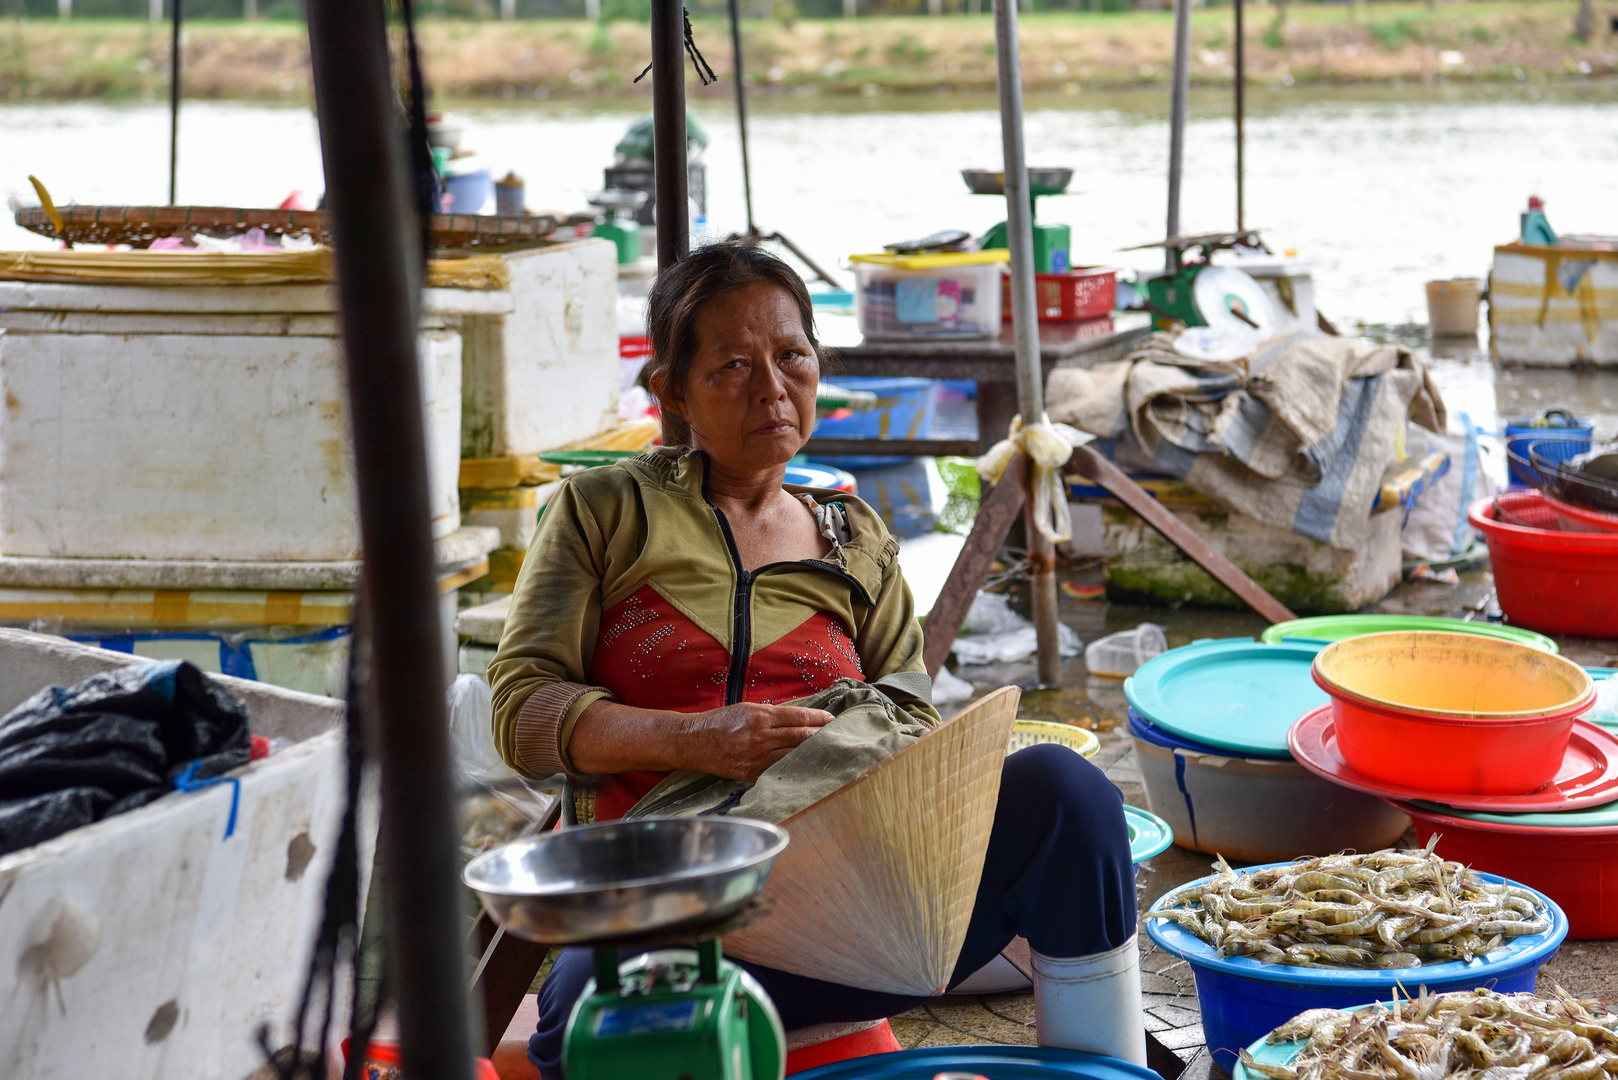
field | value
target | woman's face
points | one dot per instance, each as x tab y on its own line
749	396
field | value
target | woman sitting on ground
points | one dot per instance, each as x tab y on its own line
669	605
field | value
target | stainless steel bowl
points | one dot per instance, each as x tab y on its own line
623	878
1040	181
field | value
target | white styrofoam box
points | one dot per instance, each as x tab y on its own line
148	945
547	373
1306	575
517	524
138	428
1554	326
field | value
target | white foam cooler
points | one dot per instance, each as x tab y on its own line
199	422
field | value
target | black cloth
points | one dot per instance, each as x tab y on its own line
1058	871
113	742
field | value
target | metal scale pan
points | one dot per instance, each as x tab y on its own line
626	879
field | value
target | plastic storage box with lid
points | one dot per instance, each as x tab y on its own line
928	297
1219	771
1242	999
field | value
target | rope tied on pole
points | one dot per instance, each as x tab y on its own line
705	73
1047	447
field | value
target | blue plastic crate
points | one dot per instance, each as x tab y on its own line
904	410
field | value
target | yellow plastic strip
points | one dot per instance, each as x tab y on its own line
226	268
936	260
526	470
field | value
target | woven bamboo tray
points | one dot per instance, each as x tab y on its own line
140	225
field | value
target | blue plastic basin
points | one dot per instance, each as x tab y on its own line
1146	731
1243	1000
993	1062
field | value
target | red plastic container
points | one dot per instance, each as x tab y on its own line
382	1061
1550	581
1084	292
1581	518
1578	868
1451	712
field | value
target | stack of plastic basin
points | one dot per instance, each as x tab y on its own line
1548	578
1452	712
1571	855
1209	723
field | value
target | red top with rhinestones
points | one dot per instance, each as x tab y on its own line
652	657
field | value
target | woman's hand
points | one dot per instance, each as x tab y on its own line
740	741
735	741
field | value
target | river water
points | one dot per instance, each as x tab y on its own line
1385	187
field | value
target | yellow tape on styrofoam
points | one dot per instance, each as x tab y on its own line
312	267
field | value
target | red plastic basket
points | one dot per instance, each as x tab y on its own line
1085	292
1553	581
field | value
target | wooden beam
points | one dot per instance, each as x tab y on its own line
995	514
508	964
1097	468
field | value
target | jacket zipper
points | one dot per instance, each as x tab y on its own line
741	618
741	627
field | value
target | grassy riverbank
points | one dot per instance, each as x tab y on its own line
1349	43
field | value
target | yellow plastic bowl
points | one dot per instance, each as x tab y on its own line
1026	733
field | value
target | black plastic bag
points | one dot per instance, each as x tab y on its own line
111	743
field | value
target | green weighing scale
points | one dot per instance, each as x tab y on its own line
644	886
1228	294
618	222
1053	244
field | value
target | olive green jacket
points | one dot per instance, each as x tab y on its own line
611	531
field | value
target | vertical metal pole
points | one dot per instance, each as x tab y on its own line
741	109
1177	107
379	271
174	102
668	131
1024	318
1241	116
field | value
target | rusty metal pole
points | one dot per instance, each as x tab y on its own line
1179	100
174	100
1025	322
1241	118
379	270
668	131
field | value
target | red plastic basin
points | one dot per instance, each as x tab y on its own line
1551	581
1452	712
1575	518
1578	868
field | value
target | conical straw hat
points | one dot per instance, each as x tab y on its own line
877	886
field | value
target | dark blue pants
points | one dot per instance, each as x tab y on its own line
1057	872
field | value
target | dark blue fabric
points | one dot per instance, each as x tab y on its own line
1057	872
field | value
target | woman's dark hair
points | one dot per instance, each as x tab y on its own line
681	292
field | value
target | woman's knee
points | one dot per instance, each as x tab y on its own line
1054	777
